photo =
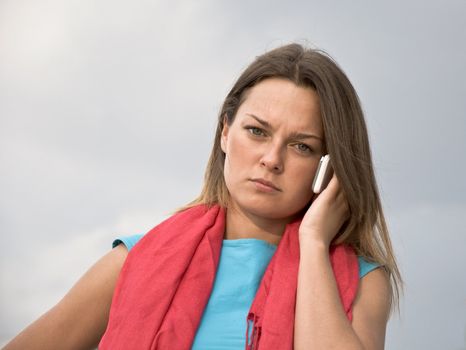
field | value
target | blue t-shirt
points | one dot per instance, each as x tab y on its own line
240	269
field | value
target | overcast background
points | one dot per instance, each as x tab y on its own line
108	111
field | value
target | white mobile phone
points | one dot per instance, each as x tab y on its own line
323	174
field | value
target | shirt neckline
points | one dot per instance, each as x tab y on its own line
249	240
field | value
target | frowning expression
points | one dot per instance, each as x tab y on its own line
272	149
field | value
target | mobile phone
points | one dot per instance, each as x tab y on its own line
323	174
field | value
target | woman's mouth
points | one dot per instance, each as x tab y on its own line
265	186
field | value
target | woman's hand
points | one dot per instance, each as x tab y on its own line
327	213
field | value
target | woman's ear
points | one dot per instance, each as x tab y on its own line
224	136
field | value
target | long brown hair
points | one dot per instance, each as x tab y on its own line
346	141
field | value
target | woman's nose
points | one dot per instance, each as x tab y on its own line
272	159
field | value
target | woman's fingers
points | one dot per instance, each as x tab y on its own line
333	188
338	197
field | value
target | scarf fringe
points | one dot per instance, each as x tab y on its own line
253	343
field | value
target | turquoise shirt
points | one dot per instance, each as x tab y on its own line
240	269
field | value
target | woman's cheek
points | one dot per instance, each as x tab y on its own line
303	178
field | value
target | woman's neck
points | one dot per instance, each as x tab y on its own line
241	225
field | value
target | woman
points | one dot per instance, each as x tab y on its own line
257	260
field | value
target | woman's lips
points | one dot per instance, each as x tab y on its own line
265	185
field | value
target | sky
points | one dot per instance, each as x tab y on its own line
108	111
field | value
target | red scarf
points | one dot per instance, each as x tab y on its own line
167	278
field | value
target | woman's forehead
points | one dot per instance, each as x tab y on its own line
280	101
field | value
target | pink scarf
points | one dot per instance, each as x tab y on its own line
167	278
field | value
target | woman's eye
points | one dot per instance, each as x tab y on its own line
255	131
302	147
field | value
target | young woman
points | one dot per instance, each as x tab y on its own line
257	261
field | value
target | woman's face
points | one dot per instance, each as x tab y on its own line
272	149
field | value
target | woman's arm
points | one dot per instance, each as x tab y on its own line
320	321
79	320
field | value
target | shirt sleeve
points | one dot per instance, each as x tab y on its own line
365	266
128	241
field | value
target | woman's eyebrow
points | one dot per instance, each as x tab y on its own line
301	136
294	135
261	121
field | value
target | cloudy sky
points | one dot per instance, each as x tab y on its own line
108	108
